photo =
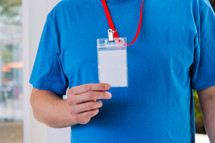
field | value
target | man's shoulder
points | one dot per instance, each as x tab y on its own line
70	3
63	4
68	6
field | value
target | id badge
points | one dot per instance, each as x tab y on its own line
112	61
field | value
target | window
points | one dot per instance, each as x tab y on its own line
11	69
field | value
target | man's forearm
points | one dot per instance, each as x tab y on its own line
49	109
207	101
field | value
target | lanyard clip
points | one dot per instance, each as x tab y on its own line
110	34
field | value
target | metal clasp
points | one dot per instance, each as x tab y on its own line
110	34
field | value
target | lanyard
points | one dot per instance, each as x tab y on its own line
110	21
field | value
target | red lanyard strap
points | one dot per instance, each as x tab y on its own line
110	21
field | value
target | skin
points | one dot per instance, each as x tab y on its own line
207	102
82	104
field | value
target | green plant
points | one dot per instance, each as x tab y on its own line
9	7
198	115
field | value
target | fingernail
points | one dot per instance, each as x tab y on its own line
107	86
109	94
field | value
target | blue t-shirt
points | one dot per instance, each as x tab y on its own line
173	54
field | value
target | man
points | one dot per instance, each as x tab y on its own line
173	54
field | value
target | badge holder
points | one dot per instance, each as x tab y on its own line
112	60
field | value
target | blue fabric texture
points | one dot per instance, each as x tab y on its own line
173	55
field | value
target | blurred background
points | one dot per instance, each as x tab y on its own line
11	74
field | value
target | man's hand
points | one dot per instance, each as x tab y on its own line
82	101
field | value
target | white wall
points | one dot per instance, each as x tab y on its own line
34	16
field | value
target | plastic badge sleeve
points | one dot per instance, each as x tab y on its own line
112	61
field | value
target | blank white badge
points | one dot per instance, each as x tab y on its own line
112	61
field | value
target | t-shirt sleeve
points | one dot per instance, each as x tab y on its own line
203	68
47	72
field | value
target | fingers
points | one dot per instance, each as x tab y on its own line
92	95
89	87
86	97
84	118
82	101
84	107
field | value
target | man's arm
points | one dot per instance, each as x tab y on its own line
49	109
80	106
207	102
